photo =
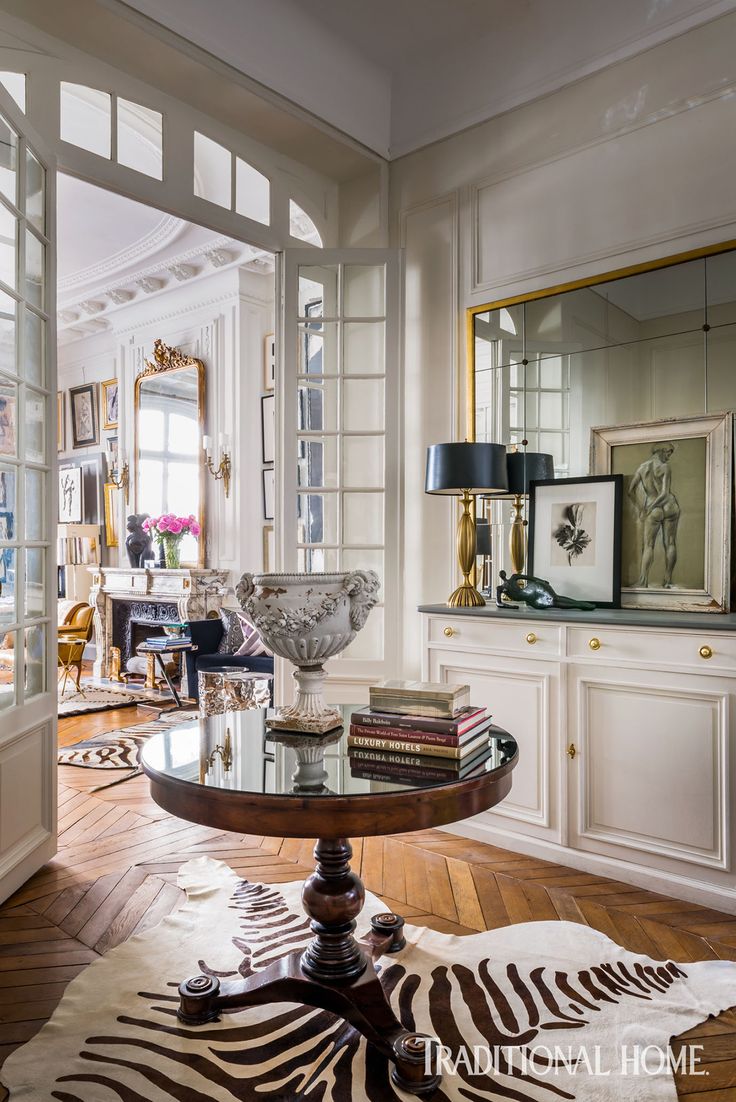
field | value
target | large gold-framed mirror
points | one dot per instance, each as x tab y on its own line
651	343
169	417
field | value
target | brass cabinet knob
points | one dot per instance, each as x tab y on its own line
531	638
449	632
594	644
706	651
571	751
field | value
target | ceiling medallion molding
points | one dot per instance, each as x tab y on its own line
166	358
68	317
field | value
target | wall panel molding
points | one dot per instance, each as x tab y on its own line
619	196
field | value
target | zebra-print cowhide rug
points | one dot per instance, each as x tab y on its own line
542	989
117	749
96	698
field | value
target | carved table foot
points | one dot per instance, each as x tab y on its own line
333	973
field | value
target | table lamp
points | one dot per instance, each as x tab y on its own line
522	468
462	470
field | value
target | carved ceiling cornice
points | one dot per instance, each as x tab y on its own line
162	234
188	266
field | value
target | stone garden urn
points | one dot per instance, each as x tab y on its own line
308	618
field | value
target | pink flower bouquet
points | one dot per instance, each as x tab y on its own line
169	530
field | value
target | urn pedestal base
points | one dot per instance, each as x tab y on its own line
310	712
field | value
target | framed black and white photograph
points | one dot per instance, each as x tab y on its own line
268	428
70	495
676	531
575	537
269	494
269	361
85	422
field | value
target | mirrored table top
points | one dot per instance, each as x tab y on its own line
237	752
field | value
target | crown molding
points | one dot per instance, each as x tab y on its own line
162	234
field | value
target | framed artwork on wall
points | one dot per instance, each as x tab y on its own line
110	404
85	423
268	428
676	528
269	494
60	421
575	537
70	495
269	361
111	526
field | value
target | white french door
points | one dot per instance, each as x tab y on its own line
338	479
27	502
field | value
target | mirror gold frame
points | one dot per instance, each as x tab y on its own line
558	289
168	359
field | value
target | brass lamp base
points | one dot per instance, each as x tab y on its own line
465	596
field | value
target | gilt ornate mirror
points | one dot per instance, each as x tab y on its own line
169	411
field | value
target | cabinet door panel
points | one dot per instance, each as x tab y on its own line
523	697
652	766
27	803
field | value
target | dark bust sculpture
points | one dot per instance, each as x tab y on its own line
138	543
534	592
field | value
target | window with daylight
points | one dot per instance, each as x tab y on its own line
137	139
86	118
539	411
169	461
140	138
15	85
213	180
341	427
25	487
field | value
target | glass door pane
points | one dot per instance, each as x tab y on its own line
340	399
27	498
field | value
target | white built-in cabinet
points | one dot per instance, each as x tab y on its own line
625	736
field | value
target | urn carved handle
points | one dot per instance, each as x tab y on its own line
362	587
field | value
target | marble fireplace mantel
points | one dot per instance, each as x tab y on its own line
195	593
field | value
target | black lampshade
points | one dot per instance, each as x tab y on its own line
525	467
478	468
482	537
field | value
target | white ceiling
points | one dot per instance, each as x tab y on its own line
113	251
397	74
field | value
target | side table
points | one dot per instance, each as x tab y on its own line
158	652
227	787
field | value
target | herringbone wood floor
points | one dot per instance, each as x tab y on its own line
115	875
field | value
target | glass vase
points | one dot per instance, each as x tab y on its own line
172	554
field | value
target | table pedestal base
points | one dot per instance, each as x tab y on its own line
334	973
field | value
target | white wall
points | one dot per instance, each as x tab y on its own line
281	45
223	321
631	164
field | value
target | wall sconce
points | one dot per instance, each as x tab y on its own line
224	467
118	476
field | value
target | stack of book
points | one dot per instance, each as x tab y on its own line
414	731
168	642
